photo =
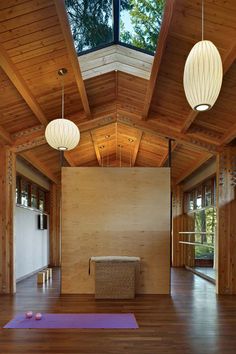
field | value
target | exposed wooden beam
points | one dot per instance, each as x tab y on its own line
65	26
28	139
29	156
227	62
229	135
161	45
166	155
96	149
164	131
205	157
136	147
20	84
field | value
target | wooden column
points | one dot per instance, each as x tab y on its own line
55	225
7	205
226	245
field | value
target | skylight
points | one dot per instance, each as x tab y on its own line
99	23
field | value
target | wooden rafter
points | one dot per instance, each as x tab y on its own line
20	84
166	155
227	62
162	40
29	156
205	157
65	26
96	149
136	147
164	131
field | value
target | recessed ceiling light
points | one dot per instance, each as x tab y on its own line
107	136
101	146
131	140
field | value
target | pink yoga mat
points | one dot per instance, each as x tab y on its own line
83	320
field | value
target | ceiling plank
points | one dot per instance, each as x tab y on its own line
20	84
65	26
159	129
69	159
229	135
166	155
228	60
96	149
161	45
4	135
205	157
136	147
29	156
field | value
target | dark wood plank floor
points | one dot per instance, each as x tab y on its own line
192	320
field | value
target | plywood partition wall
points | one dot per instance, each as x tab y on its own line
116	211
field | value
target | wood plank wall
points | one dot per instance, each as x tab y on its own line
55	225
181	254
7	206
226	247
116	211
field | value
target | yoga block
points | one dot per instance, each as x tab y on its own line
47	274
41	277
50	272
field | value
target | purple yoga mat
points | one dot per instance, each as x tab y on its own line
83	320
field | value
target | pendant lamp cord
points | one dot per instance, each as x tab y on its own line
202	20
62	97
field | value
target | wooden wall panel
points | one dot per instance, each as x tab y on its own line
226	247
7	204
55	225
182	255
117	211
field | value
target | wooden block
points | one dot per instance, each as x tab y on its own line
50	272
41	277
46	274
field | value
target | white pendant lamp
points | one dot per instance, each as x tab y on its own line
62	134
203	74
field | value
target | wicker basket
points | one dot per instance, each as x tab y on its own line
115	279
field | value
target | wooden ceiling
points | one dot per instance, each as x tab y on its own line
124	119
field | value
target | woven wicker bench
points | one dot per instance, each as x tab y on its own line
115	277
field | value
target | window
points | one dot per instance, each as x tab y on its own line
140	23
24	193
200	204
42	200
30	194
34	196
99	23
91	23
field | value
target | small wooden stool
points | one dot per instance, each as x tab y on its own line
41	278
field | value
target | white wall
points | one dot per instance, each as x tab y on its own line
31	244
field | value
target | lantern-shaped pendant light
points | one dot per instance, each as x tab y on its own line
62	134
203	74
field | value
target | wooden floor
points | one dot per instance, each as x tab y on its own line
192	320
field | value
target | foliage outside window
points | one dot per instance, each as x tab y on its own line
98	23
200	204
30	194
